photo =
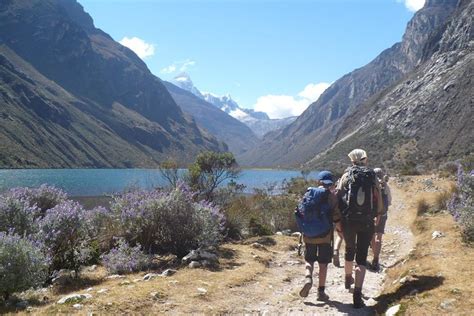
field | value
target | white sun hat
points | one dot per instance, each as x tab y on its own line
357	155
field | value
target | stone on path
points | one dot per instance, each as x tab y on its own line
392	311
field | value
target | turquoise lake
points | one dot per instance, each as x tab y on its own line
91	182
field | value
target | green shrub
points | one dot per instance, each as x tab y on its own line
22	264
258	229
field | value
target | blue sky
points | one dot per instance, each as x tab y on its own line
272	55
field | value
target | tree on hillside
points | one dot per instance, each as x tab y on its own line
211	169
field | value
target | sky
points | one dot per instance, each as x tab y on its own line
275	56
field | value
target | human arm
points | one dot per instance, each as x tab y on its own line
388	193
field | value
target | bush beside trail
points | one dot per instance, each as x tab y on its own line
461	205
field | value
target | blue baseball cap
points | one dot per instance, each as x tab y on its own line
325	177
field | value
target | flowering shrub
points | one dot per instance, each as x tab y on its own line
167	221
64	232
125	259
20	207
22	264
461	204
17	215
44	197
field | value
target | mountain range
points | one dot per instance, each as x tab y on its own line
259	122
73	97
413	104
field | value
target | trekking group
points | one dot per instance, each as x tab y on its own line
356	208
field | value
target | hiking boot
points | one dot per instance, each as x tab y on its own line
375	266
322	296
335	259
357	299
306	287
348	281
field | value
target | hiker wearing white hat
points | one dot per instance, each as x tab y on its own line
359	192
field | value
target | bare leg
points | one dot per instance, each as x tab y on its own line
377	245
359	276
323	271
348	280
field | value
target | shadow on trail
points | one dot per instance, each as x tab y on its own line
420	283
345	308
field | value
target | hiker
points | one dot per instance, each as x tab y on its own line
337	246
359	191
315	216
337	242
376	243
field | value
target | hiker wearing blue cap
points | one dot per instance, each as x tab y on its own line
315	215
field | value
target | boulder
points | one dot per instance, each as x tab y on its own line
78	306
168	272
194	264
392	311
116	276
193	255
74	298
150	276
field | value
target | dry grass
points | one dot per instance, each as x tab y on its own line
437	271
240	264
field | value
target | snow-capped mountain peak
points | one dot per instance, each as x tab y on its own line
184	82
259	122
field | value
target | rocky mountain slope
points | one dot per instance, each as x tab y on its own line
238	136
426	117
258	122
318	127
73	97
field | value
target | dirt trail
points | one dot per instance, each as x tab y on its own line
285	277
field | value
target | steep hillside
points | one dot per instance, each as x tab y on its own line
224	127
317	128
74	97
426	118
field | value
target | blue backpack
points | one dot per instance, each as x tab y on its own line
313	213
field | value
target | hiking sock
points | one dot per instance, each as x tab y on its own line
357	298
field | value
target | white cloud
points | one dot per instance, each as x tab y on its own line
182	66
187	64
139	46
169	70
413	5
313	90
281	106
